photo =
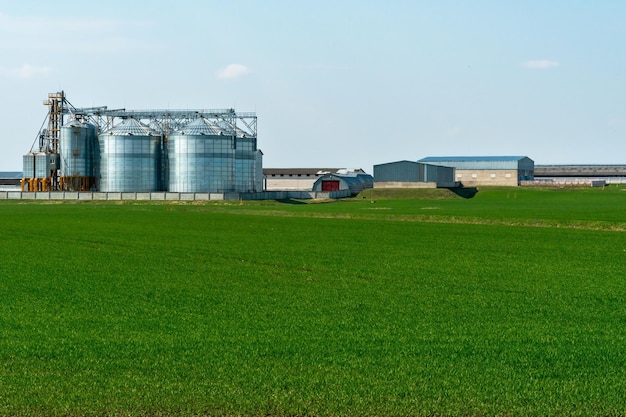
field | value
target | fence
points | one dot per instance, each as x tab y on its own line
167	196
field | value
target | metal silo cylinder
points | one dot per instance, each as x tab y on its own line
245	161
245	157
201	158
77	144
44	164
130	158
28	165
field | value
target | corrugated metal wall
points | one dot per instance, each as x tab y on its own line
129	163
437	173
526	164
401	171
77	144
258	168
245	161
408	171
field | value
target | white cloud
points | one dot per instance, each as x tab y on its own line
541	64
25	71
232	71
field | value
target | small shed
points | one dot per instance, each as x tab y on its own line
355	181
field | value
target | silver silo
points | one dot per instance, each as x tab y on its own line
28	165
130	154
77	147
45	164
258	167
245	162
245	157
201	158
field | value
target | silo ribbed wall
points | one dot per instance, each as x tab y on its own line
201	159
28	165
77	143
44	164
130	159
245	162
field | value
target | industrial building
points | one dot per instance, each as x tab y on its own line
289	179
486	170
10	180
561	175
183	151
353	180
410	174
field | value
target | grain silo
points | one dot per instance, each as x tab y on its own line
130	158
78	143
45	163
38	170
245	157
245	161
201	158
119	150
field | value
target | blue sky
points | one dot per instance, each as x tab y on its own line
335	83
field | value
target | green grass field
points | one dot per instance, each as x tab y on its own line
510	303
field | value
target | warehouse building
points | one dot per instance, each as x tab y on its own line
288	179
561	175
353	180
410	174
487	170
10	180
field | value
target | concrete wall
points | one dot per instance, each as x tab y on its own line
300	195
280	184
166	196
404	184
475	177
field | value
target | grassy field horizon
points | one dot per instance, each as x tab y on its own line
508	303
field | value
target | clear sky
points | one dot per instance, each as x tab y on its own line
336	83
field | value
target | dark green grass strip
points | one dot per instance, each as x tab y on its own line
150	309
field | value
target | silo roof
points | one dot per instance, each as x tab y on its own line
131	127
74	123
200	126
229	129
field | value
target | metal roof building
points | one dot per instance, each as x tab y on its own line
481	162
293	178
487	170
410	174
10	180
355	181
11	175
579	174
581	171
